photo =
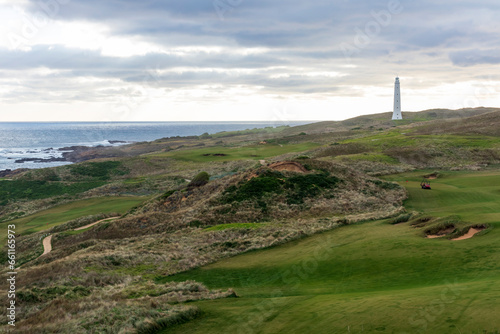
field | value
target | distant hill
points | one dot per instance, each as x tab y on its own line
483	124
383	120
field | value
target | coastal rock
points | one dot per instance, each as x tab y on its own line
39	160
84	153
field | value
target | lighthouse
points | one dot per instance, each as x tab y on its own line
397	101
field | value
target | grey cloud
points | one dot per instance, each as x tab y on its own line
475	57
296	35
60	57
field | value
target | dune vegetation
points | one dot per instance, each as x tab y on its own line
318	228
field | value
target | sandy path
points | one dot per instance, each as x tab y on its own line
47	242
47	245
468	235
97	222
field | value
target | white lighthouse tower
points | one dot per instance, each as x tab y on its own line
397	101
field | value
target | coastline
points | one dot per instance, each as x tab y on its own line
45	145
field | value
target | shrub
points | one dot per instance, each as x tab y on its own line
255	188
195	223
199	180
99	170
403	218
296	187
309	185
167	194
23	189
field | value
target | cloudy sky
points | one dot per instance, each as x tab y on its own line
130	60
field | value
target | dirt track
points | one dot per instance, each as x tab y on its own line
97	222
47	242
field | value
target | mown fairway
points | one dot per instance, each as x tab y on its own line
254	152
44	220
475	197
370	277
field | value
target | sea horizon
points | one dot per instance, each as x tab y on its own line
43	140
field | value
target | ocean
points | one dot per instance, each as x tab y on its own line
43	140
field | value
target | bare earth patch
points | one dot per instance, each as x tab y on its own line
472	231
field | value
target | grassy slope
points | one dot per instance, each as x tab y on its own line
376	277
253	152
60	214
475	197
383	120
370	277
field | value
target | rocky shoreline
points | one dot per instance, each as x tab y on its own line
71	154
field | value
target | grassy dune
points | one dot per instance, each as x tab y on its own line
47	219
370	277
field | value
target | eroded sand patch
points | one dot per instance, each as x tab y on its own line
291	166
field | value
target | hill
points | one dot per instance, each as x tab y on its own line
184	229
383	120
483	124
369	277
201	202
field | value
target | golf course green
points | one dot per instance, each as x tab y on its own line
370	277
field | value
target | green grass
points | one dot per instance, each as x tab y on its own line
47	219
252	152
405	137
475	197
25	189
370	277
266	130
99	170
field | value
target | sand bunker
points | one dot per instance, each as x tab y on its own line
432	176
472	231
47	245
289	166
